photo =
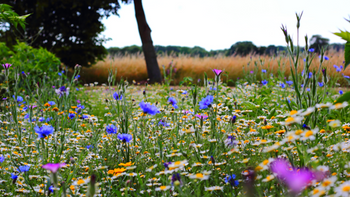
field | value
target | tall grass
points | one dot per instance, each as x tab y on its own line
133	67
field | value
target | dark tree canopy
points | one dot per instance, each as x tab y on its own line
70	29
242	48
317	42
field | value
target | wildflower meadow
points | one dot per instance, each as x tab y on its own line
268	135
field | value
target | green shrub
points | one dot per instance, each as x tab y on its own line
37	64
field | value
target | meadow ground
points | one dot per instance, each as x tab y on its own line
263	137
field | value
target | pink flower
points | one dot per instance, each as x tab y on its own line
7	65
217	72
295	179
53	167
299	179
202	117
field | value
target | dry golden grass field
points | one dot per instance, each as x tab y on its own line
133	67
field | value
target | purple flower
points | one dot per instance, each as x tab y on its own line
263	71
251	72
217	72
125	137
341	92
53	167
7	65
148	108
320	84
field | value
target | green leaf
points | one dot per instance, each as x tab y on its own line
344	97
272	113
249	105
347	54
345	35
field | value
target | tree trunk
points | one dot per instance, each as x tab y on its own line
147	44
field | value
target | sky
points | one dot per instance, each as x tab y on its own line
219	24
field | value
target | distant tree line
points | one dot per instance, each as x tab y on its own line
239	48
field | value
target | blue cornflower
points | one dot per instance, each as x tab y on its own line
163	123
148	108
111	129
51	103
341	92
85	116
19	98
117	97
212	88
173	102
125	137
282	85
205	102
89	146
308	89
231	179
44	131
13	176
302	85
320	84
311	50
346	77
326	58
338	69
76	77
80	106
264	82
184	92
60	74
25	108
310	74
263	71
71	115
2	159
62	90
289	83
41	119
51	189
23	168
48	119
26	116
